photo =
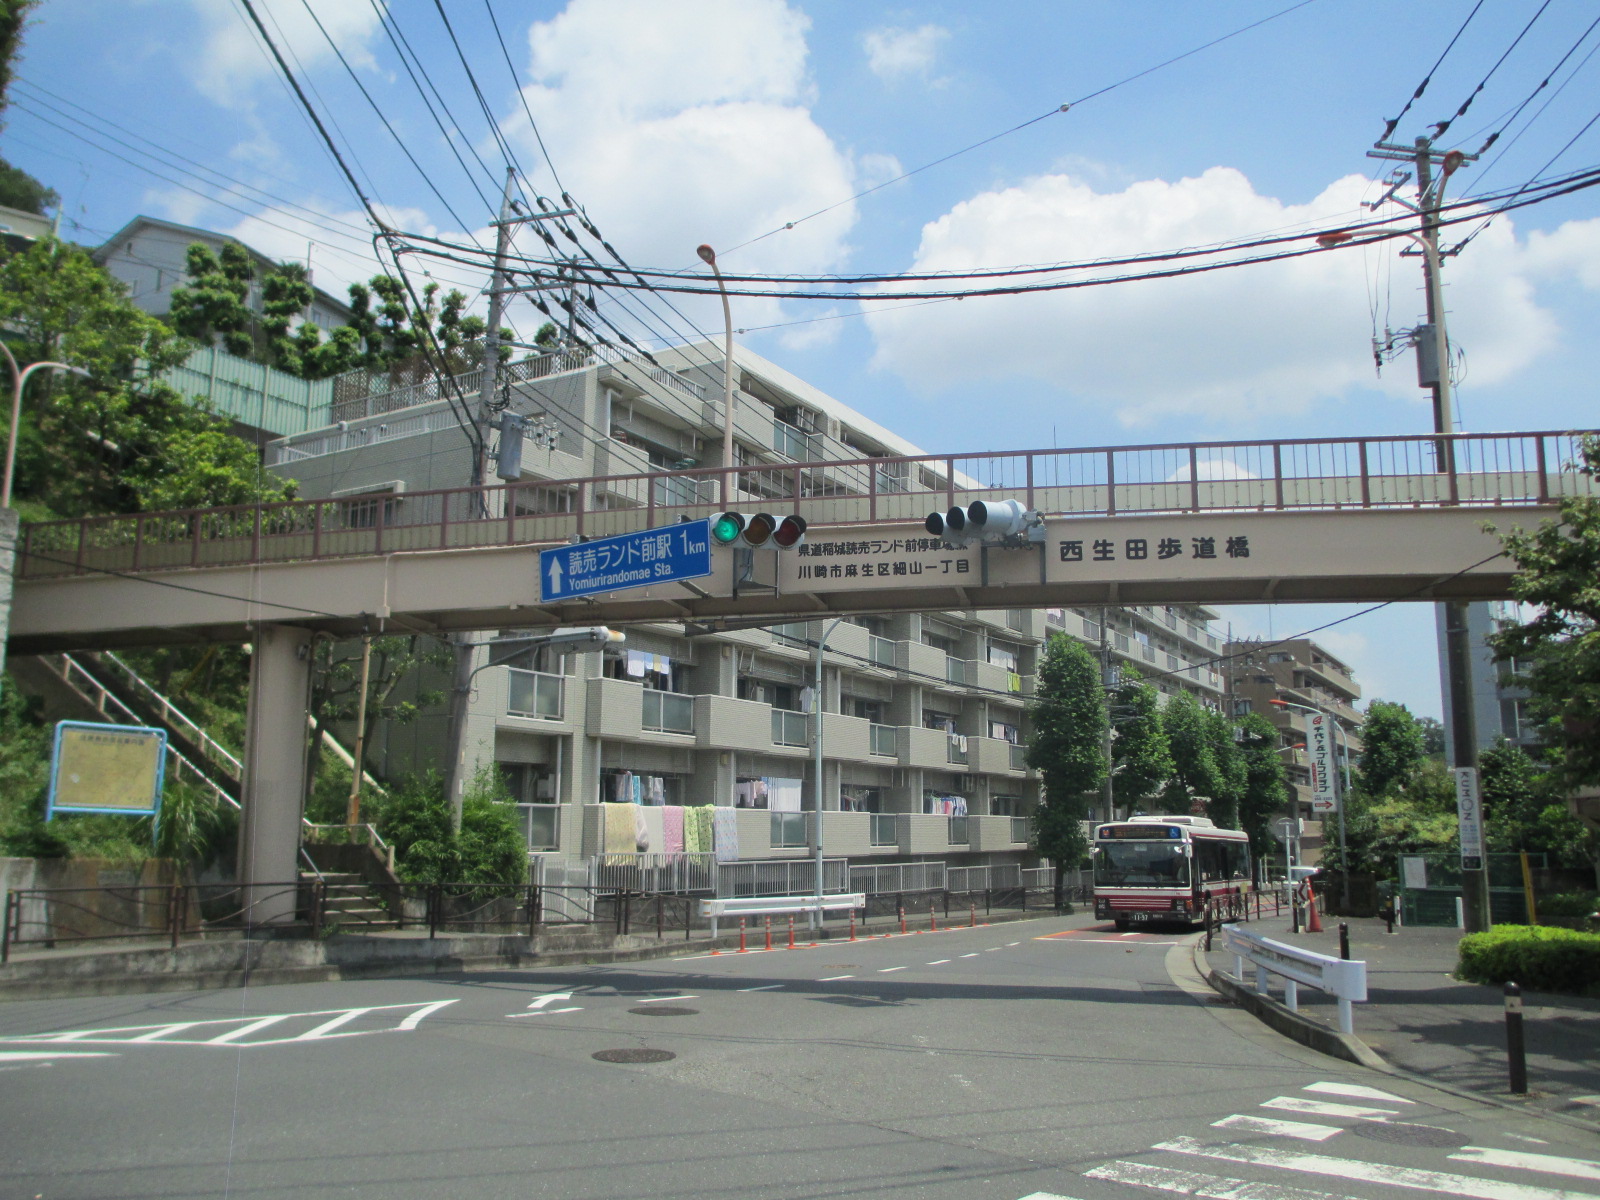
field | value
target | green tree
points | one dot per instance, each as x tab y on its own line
18	189
489	850
1266	783
1523	810
1194	765
122	441
1232	770
1067	748
286	293
1432	736
1140	757
1557	653
215	303
1392	747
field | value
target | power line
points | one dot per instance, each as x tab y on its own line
1440	127
878	187
1394	122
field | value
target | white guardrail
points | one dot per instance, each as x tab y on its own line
755	906
1345	980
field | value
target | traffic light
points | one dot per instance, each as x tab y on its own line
984	521
758	530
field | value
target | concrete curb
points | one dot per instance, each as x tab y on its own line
265	962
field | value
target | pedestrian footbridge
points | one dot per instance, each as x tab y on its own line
1337	519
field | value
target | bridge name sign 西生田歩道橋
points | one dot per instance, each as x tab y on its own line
627	560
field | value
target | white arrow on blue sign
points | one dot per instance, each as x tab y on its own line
628	560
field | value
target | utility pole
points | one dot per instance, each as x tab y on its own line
1108	797
1433	371
482	422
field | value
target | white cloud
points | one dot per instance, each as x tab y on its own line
1233	345
233	60
687	123
893	53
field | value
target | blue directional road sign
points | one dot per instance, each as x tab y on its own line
628	560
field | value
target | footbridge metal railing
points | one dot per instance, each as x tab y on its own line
1478	470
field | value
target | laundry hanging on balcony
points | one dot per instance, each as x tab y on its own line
725	826
672	829
948	806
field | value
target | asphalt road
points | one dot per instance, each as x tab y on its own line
1038	1059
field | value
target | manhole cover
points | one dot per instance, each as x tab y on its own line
664	1010
1403	1134
634	1056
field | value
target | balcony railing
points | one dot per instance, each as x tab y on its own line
958	671
956	748
1019	757
791	442
788	830
536	694
541	825
1019	829
958	831
667	712
883	740
883	831
790	728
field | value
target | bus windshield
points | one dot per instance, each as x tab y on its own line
1120	864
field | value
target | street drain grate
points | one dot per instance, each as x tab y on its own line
1403	1134
664	1010
634	1056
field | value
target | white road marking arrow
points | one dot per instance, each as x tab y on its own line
555	575
542	1001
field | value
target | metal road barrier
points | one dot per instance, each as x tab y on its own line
1345	981
757	906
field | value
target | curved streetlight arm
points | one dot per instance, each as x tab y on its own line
21	380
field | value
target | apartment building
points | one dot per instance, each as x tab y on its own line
1298	672
922	714
1499	704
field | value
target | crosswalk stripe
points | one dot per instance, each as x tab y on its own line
1321	1108
1304	1130
1365	1172
329	1026
1193	1183
30	1055
1551	1164
156	1035
1356	1091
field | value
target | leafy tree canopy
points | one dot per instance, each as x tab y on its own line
1194	765
1393	747
121	441
1067	747
1266	783
18	189
1140	757
1557	653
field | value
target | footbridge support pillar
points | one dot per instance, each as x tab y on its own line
274	772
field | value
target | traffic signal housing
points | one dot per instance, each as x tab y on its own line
985	521
754	531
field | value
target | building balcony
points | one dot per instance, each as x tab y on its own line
918	747
535	694
991	756
997	833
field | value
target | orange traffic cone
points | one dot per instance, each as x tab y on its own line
1313	918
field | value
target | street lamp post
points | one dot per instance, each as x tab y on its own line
19	381
710	257
1339	732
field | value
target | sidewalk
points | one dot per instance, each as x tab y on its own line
1424	1022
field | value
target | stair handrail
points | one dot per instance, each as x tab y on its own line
107	697
174	715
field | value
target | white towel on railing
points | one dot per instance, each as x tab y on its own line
725	831
655	829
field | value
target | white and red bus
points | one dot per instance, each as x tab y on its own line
1168	869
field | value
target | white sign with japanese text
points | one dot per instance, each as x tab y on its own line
1469	810
1319	748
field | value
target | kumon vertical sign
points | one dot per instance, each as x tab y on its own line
1319	747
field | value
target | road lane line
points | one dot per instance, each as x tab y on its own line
1009	944
1321	1108
766	987
835	978
974	954
1193	1183
327	1026
1304	1130
1578	1168
415	1019
938	962
1368	1172
660	999
543	1012
886	970
1356	1091
234	1035
157	1034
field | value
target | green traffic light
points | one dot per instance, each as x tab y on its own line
725	530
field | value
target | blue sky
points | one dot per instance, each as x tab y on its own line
676	122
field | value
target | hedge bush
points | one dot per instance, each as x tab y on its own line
1540	958
1568	904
